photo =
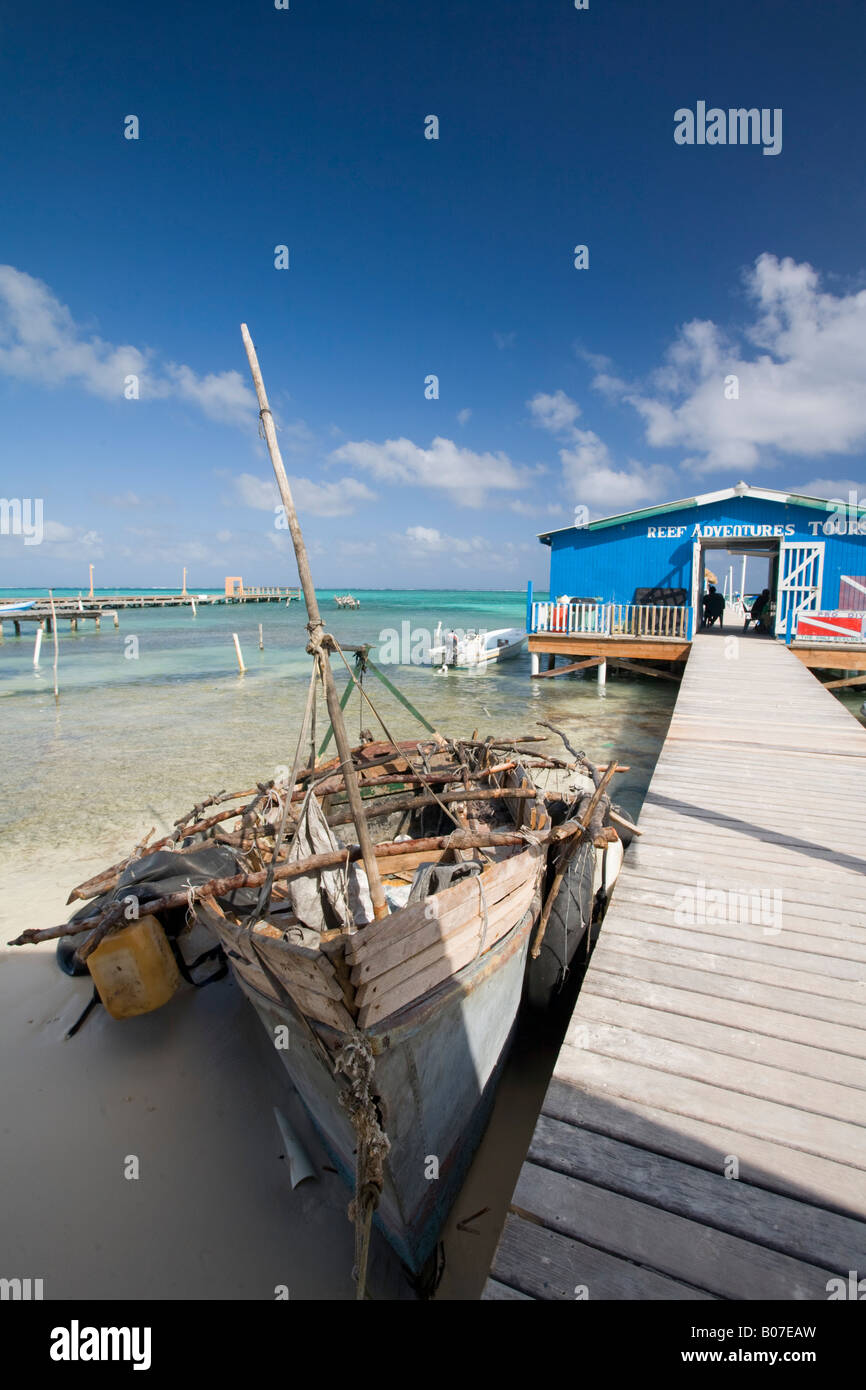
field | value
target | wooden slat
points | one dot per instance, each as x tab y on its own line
453	947
543	1264
832	1046
725	1265
414	916
727	1204
379	1003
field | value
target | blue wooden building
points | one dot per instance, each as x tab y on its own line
629	588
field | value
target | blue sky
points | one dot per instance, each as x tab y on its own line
408	257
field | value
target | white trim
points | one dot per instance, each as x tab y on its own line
763	494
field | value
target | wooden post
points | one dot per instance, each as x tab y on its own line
91	582
183	595
602	673
38	646
533	660
192	601
261	639
316	630
241	665
56	649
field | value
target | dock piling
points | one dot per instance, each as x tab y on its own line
241	665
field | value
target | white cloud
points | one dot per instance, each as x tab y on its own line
41	342
556	413
466	476
588	470
505	340
463	415
801	368
339	498
462	552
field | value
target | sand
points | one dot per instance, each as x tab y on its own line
189	1091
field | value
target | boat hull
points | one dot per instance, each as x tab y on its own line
436	1069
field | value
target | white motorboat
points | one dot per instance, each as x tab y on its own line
474	649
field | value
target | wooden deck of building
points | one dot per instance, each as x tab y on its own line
704	1132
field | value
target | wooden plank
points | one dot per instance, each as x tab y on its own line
852	949
621	1109
414	915
496	1292
564	670
641	670
727	1204
727	1039
787	990
673	1245
316	975
818	968
652	879
543	1264
782	1122
462	945
421	983
438	931
832	1042
770	1082
802	916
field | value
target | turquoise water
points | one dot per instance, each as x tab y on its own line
155	715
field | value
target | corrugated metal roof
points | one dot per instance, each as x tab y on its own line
739	490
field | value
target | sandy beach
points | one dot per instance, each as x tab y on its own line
189	1090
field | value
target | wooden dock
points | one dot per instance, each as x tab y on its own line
704	1132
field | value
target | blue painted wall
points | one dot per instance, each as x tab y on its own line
613	561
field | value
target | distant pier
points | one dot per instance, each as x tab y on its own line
94	608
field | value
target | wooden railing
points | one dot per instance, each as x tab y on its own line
612	619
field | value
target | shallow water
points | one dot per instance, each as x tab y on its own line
154	716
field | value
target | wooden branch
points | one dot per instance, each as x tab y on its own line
221	887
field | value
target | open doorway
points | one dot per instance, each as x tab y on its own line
739	571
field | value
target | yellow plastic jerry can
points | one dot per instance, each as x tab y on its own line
134	970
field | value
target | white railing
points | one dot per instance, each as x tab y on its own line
612	619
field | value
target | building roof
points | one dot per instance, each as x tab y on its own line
766	494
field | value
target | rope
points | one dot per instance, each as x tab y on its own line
267	886
355	1061
401	753
484	918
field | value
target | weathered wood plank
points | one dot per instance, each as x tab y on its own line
712	1260
614	1105
832	1046
726	1203
547	1265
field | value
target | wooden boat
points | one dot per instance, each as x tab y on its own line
425	1000
475	649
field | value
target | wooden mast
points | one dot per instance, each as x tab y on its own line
318	640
